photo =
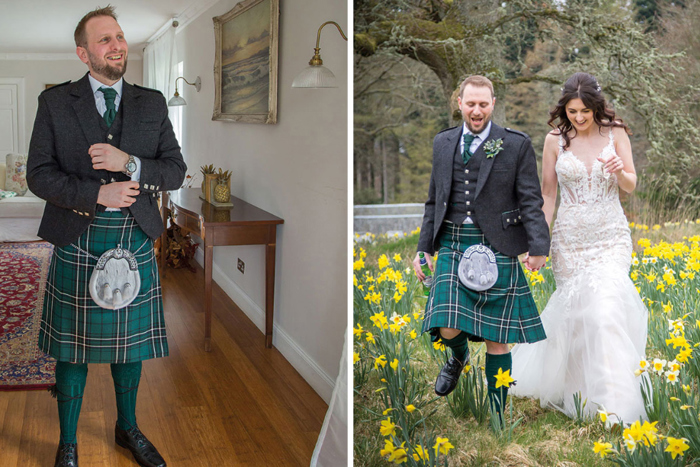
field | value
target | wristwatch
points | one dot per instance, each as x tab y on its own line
130	166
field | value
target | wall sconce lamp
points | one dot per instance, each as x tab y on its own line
176	99
316	75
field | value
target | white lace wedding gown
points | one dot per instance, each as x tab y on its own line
595	321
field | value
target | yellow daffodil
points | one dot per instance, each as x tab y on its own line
442	446
399	456
363	253
503	378
603	415
394	364
410	408
413	334
643	364
397	297
677	341
673	365
676	446
357	332
674	399
439	345
669	278
650	433
467	369
381	360
644	242
358	265
383	261
602	448
388	448
394	328
387	427
660	286
686	388
397	257
354	280
386	412
634	432
420	454
634	275
355	357
370	338
686	407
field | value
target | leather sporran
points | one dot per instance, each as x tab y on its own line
115	281
478	269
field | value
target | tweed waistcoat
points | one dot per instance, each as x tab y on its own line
463	190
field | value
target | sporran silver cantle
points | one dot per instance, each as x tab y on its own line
477	269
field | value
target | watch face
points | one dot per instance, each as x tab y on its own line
131	167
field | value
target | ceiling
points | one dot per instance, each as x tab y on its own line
46	26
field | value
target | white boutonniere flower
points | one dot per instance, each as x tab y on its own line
493	147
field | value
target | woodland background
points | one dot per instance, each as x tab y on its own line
411	55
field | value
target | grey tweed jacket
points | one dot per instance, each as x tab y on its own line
508	203
59	168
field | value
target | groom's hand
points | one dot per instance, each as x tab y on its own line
416	266
534	263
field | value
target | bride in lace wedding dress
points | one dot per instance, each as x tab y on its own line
595	321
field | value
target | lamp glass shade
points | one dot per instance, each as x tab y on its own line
315	76
176	100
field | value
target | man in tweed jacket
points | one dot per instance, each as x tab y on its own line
484	189
100	152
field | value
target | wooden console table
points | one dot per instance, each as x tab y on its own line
243	224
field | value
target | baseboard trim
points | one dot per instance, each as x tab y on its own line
318	379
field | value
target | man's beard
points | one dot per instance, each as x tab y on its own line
107	70
484	124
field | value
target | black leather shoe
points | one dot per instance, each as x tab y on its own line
67	455
145	454
448	377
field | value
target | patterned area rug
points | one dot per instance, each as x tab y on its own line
23	271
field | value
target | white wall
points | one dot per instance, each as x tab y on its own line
297	170
38	73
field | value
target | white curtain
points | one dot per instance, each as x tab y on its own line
332	445
159	61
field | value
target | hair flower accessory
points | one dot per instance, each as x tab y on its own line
493	147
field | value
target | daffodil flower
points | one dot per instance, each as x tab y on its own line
381	360
603	415
420	454
355	357
676	446
413	334
387	427
388	448
442	446
394	364
399	456
410	408
503	378
602	448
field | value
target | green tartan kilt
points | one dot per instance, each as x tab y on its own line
74	328
505	313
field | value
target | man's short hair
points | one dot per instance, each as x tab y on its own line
476	81
79	34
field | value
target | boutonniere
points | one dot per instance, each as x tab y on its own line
493	147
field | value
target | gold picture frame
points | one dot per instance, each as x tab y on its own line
245	64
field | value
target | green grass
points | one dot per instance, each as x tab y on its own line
545	437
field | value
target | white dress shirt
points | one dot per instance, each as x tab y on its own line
102	108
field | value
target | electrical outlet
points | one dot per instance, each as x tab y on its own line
241	266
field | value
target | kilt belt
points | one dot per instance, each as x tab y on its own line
505	313
74	328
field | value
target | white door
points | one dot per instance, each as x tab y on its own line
11	116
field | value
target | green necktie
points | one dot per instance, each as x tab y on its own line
466	153
111	112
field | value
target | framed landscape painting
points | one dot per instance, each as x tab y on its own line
245	66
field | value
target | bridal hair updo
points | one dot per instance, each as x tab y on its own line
585	87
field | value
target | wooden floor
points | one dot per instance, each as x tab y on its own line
241	404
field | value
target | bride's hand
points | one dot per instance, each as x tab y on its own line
612	165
